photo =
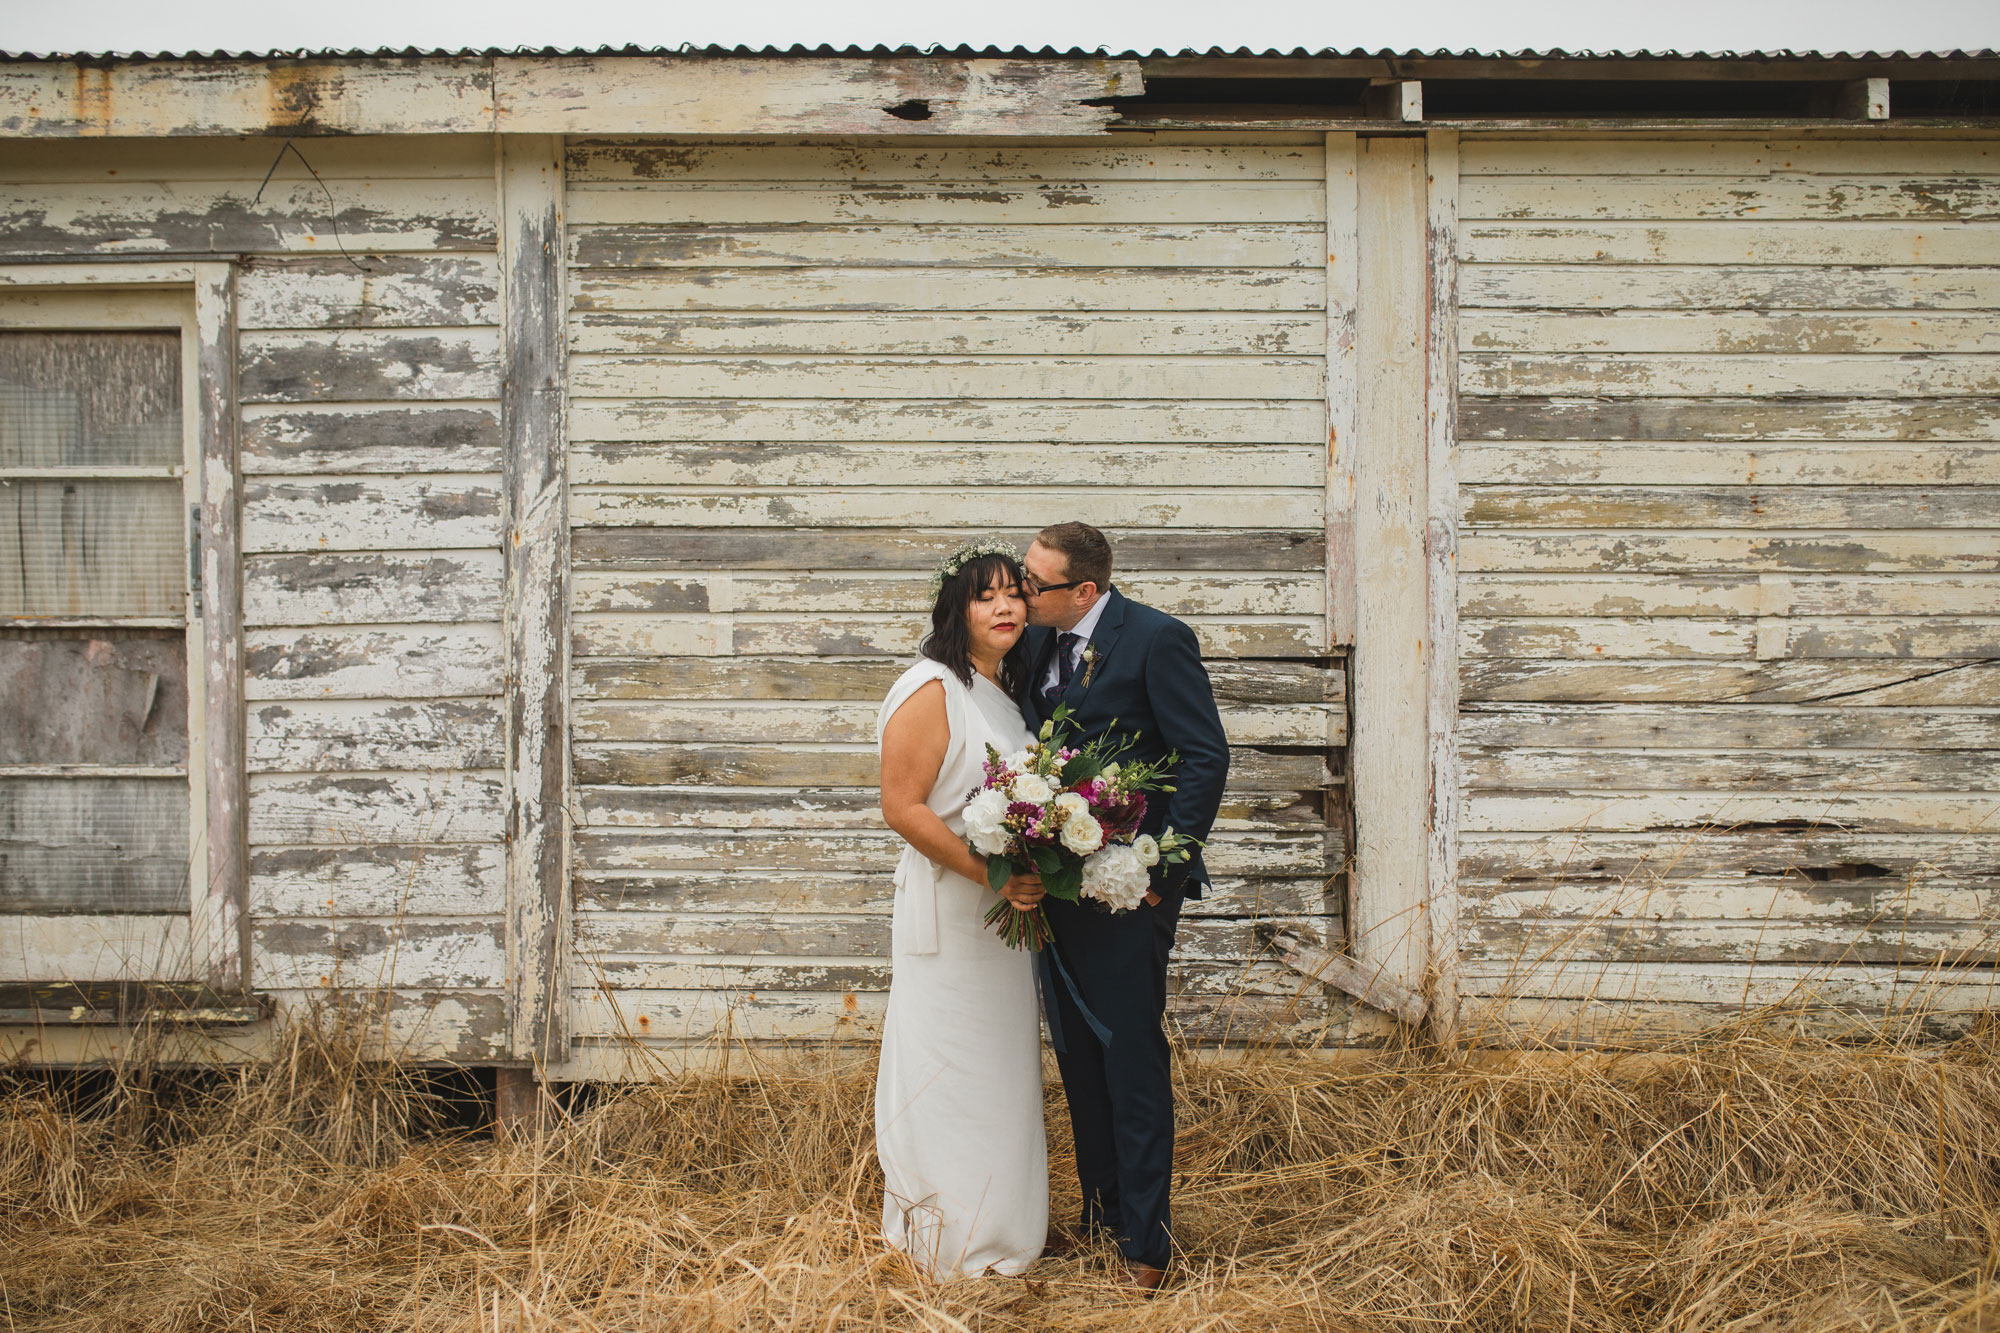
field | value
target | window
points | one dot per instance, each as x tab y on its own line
100	716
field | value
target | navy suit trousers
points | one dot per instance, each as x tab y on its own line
1121	1096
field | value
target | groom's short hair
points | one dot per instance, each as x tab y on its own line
1086	555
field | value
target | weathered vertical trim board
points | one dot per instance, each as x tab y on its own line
1343	279
535	612
220	925
1389	755
1441	584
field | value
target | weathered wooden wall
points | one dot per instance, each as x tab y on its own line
367	378
800	374
1730	487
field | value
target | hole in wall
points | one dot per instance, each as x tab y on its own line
917	108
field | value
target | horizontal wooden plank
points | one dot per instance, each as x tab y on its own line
1726	331
1914	419
345	808
349	735
424	662
372	513
969	203
823	807
1176	594
841	421
1769	768
1767	506
628	273
1854	682
1914	989
457	1025
790	163
1758	726
1661	374
1627	1025
1890	812
371	439
1540	155
864	679
1810	286
390	291
1149	245
1670	463
226	218
796	333
645	763
796	548
337	588
117	161
368	365
1301	724
379	879
1891	243
602	850
1826	868
95	948
1820	198
1541	944
1694	637
892	634
668	462
1784	902
873	894
1937	551
1186	377
448	954
648	938
1727	594
855	506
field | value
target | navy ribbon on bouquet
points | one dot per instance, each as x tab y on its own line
1052	967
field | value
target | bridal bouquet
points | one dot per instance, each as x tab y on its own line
1072	813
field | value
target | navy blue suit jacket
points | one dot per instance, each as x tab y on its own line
1146	682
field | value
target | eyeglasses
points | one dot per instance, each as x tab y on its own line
1035	589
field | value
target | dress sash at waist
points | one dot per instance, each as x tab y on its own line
917	882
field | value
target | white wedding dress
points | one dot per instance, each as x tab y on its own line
958	1099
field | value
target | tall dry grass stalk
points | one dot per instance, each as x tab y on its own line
1748	1182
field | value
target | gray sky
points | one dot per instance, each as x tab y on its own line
1598	25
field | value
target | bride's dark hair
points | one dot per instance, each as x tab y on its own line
950	639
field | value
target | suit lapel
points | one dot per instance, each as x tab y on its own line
1039	668
1101	641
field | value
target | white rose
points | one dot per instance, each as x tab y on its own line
986	812
1070	805
1115	878
1019	761
1032	787
1146	849
1082	834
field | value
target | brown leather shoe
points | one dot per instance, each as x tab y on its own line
1143	1277
1061	1245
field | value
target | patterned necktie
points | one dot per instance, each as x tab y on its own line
1065	665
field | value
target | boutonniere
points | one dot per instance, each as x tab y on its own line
1089	663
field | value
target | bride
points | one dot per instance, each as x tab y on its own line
958	1099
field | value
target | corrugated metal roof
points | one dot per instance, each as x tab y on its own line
1000	53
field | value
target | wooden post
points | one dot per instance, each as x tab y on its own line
1865	99
1441	559
535	612
1389	749
220	926
1343	275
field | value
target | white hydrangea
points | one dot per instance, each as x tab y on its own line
1116	878
1032	787
1082	834
985	827
1148	850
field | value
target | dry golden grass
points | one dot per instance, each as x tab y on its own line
1745	1182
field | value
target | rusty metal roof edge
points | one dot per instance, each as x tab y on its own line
879	52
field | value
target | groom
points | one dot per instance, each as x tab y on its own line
1135	672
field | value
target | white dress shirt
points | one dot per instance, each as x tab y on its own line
1083	629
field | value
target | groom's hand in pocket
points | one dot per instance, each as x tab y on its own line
1023	890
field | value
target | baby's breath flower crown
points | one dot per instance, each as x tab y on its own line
965	555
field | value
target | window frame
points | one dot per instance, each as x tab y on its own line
209	945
